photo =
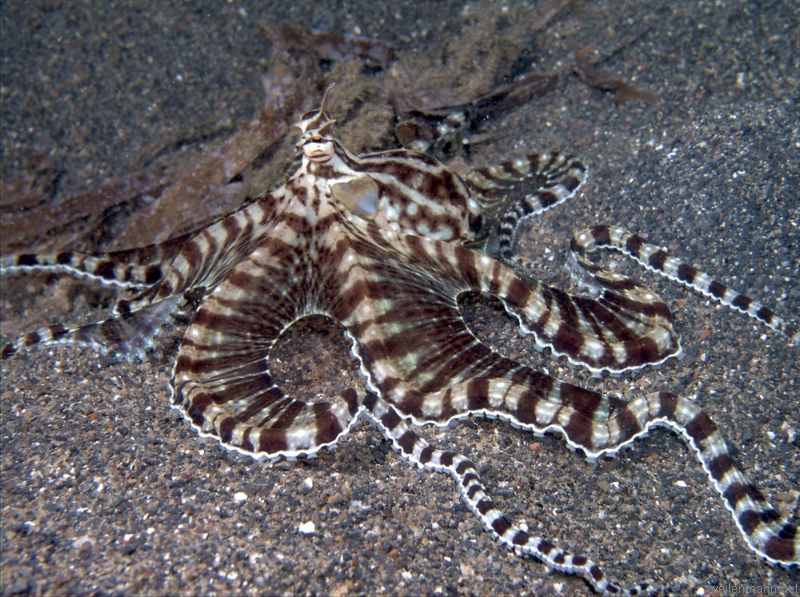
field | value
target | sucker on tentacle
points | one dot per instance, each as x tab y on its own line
385	244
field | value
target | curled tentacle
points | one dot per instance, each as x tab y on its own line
465	474
657	260
453	375
221	380
556	176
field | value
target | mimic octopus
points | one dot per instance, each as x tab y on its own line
385	244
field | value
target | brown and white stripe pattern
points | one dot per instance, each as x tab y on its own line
105	269
555	176
417	451
657	260
379	243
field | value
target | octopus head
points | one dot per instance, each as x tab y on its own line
317	140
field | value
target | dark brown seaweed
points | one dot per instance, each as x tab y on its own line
334	46
623	91
426	114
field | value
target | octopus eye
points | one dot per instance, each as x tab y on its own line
360	196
